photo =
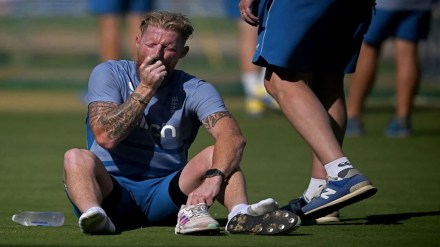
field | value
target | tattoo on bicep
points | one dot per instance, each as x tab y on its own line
210	121
116	120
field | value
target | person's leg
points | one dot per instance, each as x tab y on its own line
109	36
413	27
136	9
232	193
407	76
87	180
247	39
87	184
233	196
305	112
360	84
260	218
407	81
307	102
251	75
133	22
362	80
315	107
331	95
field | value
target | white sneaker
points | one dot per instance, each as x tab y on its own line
333	217
96	221
262	207
195	219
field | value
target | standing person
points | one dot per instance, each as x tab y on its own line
142	118
110	13
252	76
406	22
306	47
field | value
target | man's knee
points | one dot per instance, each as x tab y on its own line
76	156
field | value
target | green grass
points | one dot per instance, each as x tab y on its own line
404	212
44	55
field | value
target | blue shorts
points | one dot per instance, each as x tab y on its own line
119	6
411	25
311	35
134	204
231	9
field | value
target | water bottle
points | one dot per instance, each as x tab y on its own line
30	218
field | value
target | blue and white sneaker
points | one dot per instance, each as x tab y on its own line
349	187
297	204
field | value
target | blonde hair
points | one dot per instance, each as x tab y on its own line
170	21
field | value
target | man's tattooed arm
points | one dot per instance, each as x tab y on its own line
210	121
114	122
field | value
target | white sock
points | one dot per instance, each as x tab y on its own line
238	209
250	80
333	168
314	185
95	220
262	207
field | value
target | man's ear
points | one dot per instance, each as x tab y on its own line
184	51
138	41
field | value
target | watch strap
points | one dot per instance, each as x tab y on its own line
214	172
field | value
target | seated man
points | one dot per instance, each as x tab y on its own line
142	118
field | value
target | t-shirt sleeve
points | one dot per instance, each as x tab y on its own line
103	84
206	100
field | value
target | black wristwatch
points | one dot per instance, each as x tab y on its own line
214	172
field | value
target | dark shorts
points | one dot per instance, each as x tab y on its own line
411	25
311	35
134	204
119	6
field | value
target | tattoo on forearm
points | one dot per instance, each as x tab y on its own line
116	120
210	121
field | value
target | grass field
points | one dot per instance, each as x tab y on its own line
37	127
44	65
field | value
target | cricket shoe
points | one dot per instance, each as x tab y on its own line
271	223
96	221
349	187
195	219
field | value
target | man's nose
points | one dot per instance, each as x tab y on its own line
158	52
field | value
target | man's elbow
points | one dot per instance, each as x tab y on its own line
240	141
106	142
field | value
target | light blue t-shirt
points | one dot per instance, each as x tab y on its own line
159	144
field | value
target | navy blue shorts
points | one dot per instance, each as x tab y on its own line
119	6
311	35
411	25
133	204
